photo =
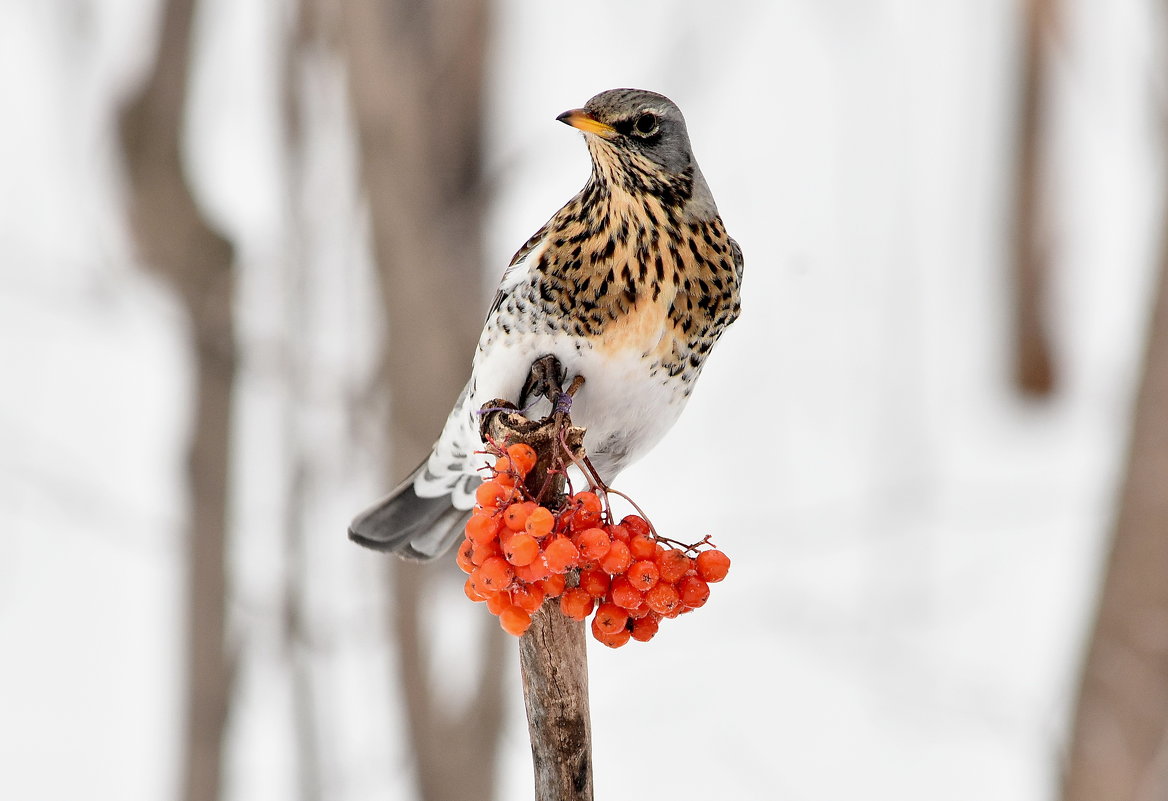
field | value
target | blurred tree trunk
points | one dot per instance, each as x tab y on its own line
306	34
181	247
416	79
1034	370
1119	744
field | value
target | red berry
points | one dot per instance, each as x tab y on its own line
645	627
523	457
514	620
483	552
553	585
625	594
619	532
536	571
643	574
494	574
613	639
528	597
713	565
693	591
593	543
576	603
516	514
617	560
472	592
642	546
504	472
594	582
610	618
561	555
588	502
672	564
521	549
482	527
663	598
493	494
636	526
497	602
585	511
540	522
463	558
639	612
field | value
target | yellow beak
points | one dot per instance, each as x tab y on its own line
580	119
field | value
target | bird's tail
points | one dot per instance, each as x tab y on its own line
413	527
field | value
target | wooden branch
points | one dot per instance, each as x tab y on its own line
553	660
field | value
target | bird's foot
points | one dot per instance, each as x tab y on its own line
545	380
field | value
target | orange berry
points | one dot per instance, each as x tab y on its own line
694	591
645	628
662	598
472	592
516	514
483	552
463	558
521	549
561	555
585	511
593	543
713	565
528	597
636	525
576	603
497	602
595	583
495	573
643	574
523	457
610	618
638	612
619	532
617	560
588	502
613	639
642	547
493	494
537	570
625	594
514	620
482	527
540	522
553	585
502	465
476	586
672	564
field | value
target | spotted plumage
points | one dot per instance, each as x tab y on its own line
630	284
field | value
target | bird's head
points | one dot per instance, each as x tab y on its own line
638	141
624	123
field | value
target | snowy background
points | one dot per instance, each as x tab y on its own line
916	549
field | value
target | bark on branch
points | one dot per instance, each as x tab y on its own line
553	660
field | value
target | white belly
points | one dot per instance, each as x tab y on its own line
624	410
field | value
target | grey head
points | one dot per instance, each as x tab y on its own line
635	127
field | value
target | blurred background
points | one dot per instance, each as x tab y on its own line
247	248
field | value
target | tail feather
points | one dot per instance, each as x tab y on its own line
415	528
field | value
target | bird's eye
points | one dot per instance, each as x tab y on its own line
646	124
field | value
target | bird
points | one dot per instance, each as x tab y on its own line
629	285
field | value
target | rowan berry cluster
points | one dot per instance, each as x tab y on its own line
518	553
